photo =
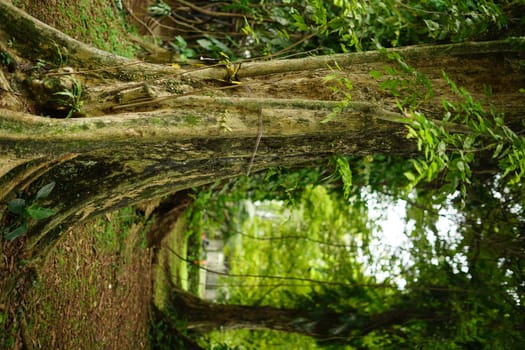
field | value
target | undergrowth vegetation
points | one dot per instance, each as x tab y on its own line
324	27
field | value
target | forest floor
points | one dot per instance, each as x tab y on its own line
94	291
95	22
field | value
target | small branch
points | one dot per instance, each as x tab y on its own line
138	19
283	278
218	13
84	72
257	141
286	49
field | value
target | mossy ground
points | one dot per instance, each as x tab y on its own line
95	288
96	22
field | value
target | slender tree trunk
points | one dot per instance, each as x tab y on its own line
149	130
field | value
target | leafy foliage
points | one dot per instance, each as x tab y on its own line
344	171
24	212
339	85
291	27
294	251
467	129
299	245
71	99
181	47
159	9
471	269
410	87
459	280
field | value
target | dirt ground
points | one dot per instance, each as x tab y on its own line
94	291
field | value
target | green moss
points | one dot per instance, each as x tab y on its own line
11	127
100	124
94	22
84	127
71	129
22	30
191	120
155	121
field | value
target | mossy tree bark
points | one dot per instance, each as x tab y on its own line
149	130
325	326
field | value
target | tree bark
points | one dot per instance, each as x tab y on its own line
323	325
150	130
166	214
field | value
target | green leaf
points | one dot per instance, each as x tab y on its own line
433	169
16	206
375	74
65	93
329	117
299	22
410	176
39	213
17	232
221	46
468	142
206	44
46	190
412	133
420	166
330	77
431	25
441	148
461	166
159	9
498	150
179	42
343	167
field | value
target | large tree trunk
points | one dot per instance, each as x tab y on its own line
323	325
150	130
